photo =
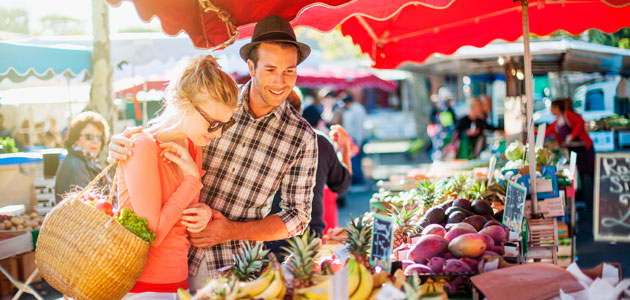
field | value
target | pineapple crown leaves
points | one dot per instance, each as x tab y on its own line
477	190
428	192
403	217
249	261
359	235
459	185
303	250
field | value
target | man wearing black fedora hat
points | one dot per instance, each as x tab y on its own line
270	148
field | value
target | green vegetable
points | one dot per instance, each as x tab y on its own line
136	225
515	151
544	157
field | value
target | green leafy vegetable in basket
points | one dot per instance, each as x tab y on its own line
136	225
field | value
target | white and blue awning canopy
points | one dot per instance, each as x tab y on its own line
19	61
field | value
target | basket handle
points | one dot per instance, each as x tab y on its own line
98	177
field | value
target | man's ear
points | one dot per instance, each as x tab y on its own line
251	67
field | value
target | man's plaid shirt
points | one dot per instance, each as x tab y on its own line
247	165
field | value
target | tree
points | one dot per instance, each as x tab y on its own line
333	44
619	39
62	25
13	20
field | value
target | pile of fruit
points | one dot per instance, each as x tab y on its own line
30	221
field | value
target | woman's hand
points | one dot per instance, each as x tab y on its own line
196	217
181	157
120	144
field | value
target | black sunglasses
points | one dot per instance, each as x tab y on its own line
215	125
91	137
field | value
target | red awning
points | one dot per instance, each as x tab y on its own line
395	31
207	29
416	32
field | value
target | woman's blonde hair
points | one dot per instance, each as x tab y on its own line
200	74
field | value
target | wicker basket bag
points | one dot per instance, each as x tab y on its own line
86	254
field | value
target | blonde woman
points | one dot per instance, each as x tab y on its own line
161	181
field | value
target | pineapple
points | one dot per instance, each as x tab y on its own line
359	237
477	190
458	186
405	224
428	193
249	261
302	252
494	189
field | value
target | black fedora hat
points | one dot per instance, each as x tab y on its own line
271	29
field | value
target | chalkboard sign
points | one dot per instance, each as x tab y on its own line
382	237
611	216
514	206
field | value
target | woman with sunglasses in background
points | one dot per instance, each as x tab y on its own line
86	137
162	180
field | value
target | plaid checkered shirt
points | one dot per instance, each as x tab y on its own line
245	168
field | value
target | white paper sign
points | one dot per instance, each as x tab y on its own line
554	206
544	184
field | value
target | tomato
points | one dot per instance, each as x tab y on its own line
105	207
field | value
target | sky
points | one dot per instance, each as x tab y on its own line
124	16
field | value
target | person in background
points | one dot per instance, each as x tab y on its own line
52	136
332	112
22	135
486	104
87	135
569	132
332	176
469	131
354	116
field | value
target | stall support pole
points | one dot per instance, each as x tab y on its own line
530	108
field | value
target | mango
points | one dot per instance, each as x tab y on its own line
461	224
427	246
436	264
436	229
454	266
497	233
468	245
489	241
457	231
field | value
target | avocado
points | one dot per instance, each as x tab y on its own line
454	209
456	217
481	207
463	203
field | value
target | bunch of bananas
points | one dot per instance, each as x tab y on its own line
360	284
270	285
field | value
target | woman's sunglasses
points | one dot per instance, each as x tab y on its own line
215	125
91	137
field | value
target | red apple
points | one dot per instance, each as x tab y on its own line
105	207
